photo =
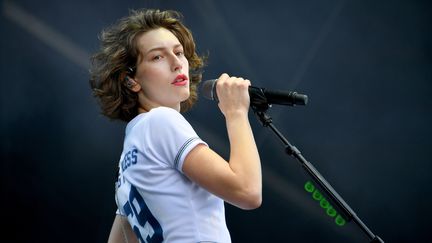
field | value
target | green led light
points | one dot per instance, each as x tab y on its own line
340	221
309	187
331	212
324	203
317	195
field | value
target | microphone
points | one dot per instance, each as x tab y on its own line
259	97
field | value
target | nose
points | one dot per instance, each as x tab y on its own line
176	63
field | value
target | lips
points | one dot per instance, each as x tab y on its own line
180	80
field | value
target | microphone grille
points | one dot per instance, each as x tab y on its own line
208	89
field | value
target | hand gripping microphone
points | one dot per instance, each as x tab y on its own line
259	97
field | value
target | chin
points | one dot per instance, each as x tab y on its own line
185	96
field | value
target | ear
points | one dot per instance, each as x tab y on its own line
132	84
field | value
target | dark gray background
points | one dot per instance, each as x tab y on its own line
365	65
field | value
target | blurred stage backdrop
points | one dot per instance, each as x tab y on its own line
365	65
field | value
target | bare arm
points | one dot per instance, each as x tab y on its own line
121	231
238	181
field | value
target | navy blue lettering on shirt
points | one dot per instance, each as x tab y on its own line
129	159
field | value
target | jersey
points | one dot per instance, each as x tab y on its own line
160	202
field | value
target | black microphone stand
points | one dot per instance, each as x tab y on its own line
260	106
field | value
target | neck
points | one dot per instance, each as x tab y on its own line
144	109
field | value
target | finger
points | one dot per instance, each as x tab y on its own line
223	77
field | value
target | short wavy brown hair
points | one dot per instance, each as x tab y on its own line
118	57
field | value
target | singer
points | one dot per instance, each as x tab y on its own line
171	186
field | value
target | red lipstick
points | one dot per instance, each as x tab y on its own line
180	80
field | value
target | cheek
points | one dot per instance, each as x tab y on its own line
151	76
185	63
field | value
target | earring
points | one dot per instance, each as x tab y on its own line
129	82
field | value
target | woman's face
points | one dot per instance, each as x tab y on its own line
162	70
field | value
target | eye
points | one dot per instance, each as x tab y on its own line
179	53
156	58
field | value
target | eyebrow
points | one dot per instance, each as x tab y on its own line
161	48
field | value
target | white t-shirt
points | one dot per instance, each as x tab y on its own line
161	203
